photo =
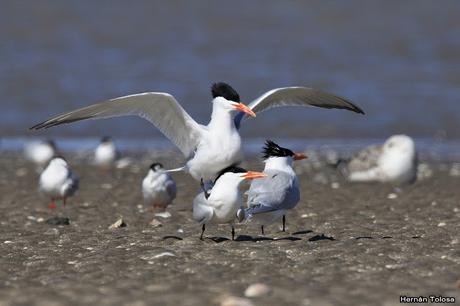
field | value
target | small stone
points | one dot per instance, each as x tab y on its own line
40	220
392	196
309	215
31	218
7	242
21	172
58	221
106	186
441	224
163	215
52	231
180	231
257	290
335	185
119	223
155	223
164	254
235	301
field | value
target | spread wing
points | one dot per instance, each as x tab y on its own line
297	96
161	109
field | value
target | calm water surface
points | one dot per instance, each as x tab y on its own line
398	60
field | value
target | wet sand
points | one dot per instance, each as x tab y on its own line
349	245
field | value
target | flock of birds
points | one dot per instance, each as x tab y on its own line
213	153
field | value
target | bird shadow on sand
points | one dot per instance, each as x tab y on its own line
321	237
172	237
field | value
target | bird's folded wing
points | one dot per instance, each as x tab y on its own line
297	96
269	193
161	109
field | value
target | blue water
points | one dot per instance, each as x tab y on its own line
428	149
398	60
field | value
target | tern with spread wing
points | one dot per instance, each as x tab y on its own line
211	148
271	196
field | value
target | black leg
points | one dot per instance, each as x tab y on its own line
233	232
202	231
262	229
284	223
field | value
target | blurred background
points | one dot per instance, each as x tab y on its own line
398	60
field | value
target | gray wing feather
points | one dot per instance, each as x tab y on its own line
279	190
161	109
297	96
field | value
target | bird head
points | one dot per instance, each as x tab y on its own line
271	149
227	98
156	167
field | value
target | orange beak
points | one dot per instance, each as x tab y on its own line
243	108
253	175
299	156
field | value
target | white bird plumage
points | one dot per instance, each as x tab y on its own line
158	188
271	196
105	153
220	204
393	162
40	152
57	181
210	148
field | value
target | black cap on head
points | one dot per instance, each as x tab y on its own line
271	149
106	139
232	168
155	165
221	89
51	142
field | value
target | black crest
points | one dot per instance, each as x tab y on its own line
271	149
154	165
222	89
106	139
233	169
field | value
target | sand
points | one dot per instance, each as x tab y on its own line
346	244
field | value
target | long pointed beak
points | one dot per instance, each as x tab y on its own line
244	108
299	156
253	175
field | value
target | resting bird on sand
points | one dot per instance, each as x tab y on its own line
57	181
211	148
393	162
220	204
158	188
106	153
40	152
270	197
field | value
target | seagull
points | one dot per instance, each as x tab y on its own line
57	181
220	204
40	152
158	188
106	153
271	196
211	148
393	162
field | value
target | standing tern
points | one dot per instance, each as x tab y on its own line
158	188
393	162
271	196
220	204
208	149
57	181
106	153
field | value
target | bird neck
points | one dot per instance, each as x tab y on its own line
221	119
225	189
279	163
